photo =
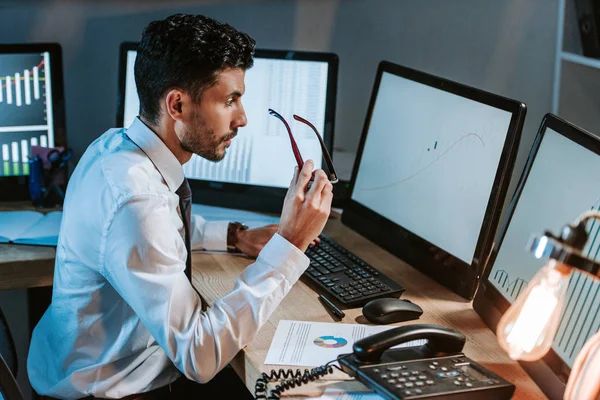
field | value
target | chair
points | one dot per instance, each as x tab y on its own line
9	389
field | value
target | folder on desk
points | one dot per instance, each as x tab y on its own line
30	227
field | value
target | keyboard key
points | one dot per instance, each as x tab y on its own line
322	269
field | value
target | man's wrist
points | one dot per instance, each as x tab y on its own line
301	245
232	235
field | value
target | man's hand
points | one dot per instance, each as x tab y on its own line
251	241
305	212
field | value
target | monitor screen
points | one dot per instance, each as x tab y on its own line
31	105
25	115
430	159
561	154
301	83
421	147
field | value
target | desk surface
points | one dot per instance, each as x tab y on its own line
32	266
214	275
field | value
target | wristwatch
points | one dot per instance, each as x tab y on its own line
232	229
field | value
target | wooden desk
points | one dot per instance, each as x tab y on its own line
32	266
214	276
24	267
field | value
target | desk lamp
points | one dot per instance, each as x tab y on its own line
526	331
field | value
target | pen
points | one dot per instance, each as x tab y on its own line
336	311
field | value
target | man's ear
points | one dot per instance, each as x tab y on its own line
174	102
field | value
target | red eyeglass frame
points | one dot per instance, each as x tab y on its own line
332	175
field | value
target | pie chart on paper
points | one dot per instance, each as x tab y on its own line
330	342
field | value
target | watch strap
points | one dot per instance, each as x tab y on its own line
232	229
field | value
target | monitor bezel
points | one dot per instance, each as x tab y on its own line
123	49
237	195
550	373
16	188
418	252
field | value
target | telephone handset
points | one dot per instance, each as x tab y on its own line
439	340
437	369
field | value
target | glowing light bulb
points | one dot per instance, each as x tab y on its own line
527	329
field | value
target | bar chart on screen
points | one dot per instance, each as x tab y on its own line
235	167
25	112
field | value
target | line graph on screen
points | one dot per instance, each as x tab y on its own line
471	136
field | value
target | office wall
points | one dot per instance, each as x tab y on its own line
505	46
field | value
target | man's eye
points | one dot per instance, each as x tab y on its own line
230	101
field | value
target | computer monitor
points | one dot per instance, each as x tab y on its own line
259	164
432	170
560	182
31	110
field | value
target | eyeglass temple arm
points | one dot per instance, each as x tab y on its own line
333	177
295	149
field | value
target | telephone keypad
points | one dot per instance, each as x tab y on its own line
396	368
420	378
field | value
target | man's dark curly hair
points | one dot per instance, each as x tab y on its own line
186	52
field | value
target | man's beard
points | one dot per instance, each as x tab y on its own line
203	141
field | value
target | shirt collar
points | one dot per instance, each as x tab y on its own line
158	152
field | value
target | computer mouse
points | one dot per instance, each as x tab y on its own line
390	310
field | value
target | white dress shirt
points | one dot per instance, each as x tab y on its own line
124	319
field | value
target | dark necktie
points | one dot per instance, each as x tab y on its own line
185	205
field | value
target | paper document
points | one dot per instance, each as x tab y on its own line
311	344
336	395
44	232
14	223
30	227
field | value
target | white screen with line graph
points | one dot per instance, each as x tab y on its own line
563	183
25	111
429	162
261	154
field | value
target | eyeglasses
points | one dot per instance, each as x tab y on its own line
332	175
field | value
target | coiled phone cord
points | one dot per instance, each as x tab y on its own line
292	379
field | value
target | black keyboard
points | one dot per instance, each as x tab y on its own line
344	277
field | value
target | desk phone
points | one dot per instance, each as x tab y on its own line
437	370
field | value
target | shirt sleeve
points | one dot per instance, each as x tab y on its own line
145	263
208	235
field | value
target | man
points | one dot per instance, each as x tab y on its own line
125	320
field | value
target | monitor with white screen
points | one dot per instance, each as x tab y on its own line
432	171
31	110
259	164
559	183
